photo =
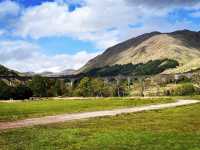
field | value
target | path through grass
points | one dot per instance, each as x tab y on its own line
21	110
173	129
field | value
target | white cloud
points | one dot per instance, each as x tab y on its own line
91	21
24	56
86	23
9	8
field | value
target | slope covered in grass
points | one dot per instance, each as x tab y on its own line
191	65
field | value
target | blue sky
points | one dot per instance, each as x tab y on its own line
53	35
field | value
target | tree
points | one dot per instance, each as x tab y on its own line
84	88
59	88
22	92
121	89
196	79
97	87
39	85
183	89
108	90
93	87
6	92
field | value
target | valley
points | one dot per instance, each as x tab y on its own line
99	74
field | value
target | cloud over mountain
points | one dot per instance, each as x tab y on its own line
94	19
102	23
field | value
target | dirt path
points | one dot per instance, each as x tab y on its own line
85	115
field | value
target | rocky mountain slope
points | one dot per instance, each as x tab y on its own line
182	46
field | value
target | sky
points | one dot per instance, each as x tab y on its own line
54	35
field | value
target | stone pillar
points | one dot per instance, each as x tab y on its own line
10	82
72	82
141	80
129	82
176	78
117	82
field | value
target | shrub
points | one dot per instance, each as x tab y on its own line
22	92
181	90
18	92
6	92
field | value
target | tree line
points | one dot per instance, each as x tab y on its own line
152	67
90	87
44	87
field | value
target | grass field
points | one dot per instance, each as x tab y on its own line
21	110
170	129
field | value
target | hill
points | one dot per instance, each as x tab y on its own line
7	72
150	68
58	74
182	46
66	72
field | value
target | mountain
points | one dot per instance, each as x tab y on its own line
28	74
182	46
62	73
67	72
46	74
7	72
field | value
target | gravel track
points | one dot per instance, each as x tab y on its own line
86	115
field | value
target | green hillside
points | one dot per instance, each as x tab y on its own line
149	68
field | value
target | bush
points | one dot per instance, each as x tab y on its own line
22	92
181	90
18	92
108	91
6	92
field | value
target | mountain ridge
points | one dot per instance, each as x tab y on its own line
181	45
4	71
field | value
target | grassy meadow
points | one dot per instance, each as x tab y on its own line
28	109
173	129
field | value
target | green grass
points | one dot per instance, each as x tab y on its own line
21	110
170	129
